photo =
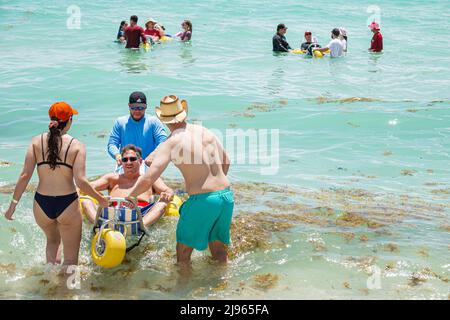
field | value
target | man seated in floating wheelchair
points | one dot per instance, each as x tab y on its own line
118	222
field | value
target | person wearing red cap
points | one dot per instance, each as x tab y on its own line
60	161
376	44
309	44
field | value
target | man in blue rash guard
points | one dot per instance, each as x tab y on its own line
142	130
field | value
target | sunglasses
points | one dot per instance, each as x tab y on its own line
132	159
138	108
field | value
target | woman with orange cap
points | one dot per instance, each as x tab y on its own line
61	163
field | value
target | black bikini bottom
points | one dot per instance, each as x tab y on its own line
53	206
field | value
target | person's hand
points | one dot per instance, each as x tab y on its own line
104	202
166	196
9	213
119	160
133	201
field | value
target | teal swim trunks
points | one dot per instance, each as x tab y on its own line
205	218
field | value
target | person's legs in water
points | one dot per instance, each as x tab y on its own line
154	214
218	251
184	253
69	224
50	228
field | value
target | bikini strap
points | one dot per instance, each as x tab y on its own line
67	151
42	147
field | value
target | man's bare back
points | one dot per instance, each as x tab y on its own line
197	153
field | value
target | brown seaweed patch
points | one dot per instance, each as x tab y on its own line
440	191
346	285
9	188
389	267
407	172
265	281
5	164
232	125
430	171
221	286
99	289
387	153
283	102
349	219
424	274
411	110
363	238
7	267
44	282
348	236
363	262
445	227
322	99
391	247
351	124
416	279
423	252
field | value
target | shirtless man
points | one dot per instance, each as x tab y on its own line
205	217
119	185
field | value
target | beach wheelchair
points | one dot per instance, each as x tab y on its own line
118	224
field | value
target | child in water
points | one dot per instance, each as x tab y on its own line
187	33
121	32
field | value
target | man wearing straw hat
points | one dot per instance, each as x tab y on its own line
205	217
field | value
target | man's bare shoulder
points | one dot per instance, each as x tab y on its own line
111	177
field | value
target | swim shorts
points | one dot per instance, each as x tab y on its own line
205	218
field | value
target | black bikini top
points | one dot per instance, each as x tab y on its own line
58	163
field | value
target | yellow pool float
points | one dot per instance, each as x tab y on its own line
165	39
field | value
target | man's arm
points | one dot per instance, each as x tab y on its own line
103	183
159	136
143	37
114	142
160	162
165	192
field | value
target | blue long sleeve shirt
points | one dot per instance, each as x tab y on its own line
146	133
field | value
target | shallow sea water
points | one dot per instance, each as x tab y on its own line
362	189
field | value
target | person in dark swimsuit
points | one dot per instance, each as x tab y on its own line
60	161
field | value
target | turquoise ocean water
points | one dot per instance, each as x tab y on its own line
377	126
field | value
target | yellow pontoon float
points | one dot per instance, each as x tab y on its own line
118	223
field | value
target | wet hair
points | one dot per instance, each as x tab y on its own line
280	26
189	24
134	18
54	143
336	32
122	24
132	147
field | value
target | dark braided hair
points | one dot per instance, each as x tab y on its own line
54	142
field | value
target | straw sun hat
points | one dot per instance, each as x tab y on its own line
172	110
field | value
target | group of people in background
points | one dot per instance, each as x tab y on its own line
132	34
336	47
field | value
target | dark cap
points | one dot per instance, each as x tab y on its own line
336	32
281	26
138	97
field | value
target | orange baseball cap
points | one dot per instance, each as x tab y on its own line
62	111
